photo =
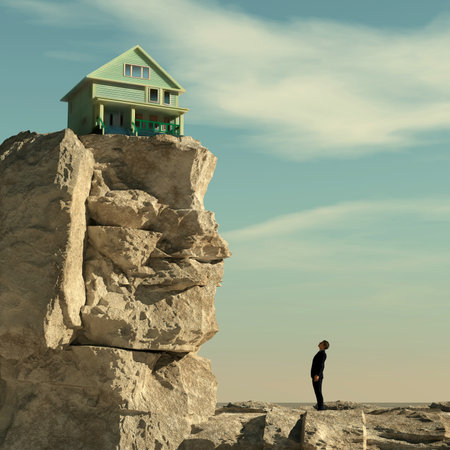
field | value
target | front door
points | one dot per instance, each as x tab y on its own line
115	119
115	122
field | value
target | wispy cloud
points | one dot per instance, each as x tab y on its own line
299	89
344	215
395	238
64	14
42	11
305	88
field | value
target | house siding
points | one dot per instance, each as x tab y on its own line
114	71
126	93
80	116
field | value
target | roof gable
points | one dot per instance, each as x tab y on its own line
114	70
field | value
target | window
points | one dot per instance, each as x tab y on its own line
136	71
167	97
153	95
130	70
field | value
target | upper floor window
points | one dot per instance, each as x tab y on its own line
131	70
153	95
167	97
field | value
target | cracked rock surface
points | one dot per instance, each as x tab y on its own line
342	426
110	265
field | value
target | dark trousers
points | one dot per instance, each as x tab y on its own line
317	385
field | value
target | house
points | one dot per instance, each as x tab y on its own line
132	94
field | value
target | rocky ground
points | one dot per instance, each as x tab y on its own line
343	425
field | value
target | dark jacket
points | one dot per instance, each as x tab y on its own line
318	364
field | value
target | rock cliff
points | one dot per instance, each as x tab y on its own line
108	269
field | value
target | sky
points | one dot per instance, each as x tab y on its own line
331	124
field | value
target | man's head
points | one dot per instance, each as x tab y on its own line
324	345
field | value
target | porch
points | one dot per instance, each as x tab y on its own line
147	121
140	128
149	128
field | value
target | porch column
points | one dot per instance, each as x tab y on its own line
133	120
101	114
181	119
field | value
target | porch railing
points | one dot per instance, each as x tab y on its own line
143	127
100	123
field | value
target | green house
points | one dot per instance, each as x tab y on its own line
132	94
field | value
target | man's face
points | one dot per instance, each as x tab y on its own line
321	346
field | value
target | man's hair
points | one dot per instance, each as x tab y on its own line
326	344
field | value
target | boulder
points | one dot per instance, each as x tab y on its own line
165	305
44	184
334	429
348	425
443	406
186	233
176	171
127	248
248	425
100	398
126	208
179	274
203	248
175	314
407	428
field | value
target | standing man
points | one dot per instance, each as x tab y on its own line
318	365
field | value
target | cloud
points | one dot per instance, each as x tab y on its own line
64	14
298	89
42	11
343	215
305	88
401	240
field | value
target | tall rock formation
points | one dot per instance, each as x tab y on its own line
108	269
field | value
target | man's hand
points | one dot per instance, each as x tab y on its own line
316	377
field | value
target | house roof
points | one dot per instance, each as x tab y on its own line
99	73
